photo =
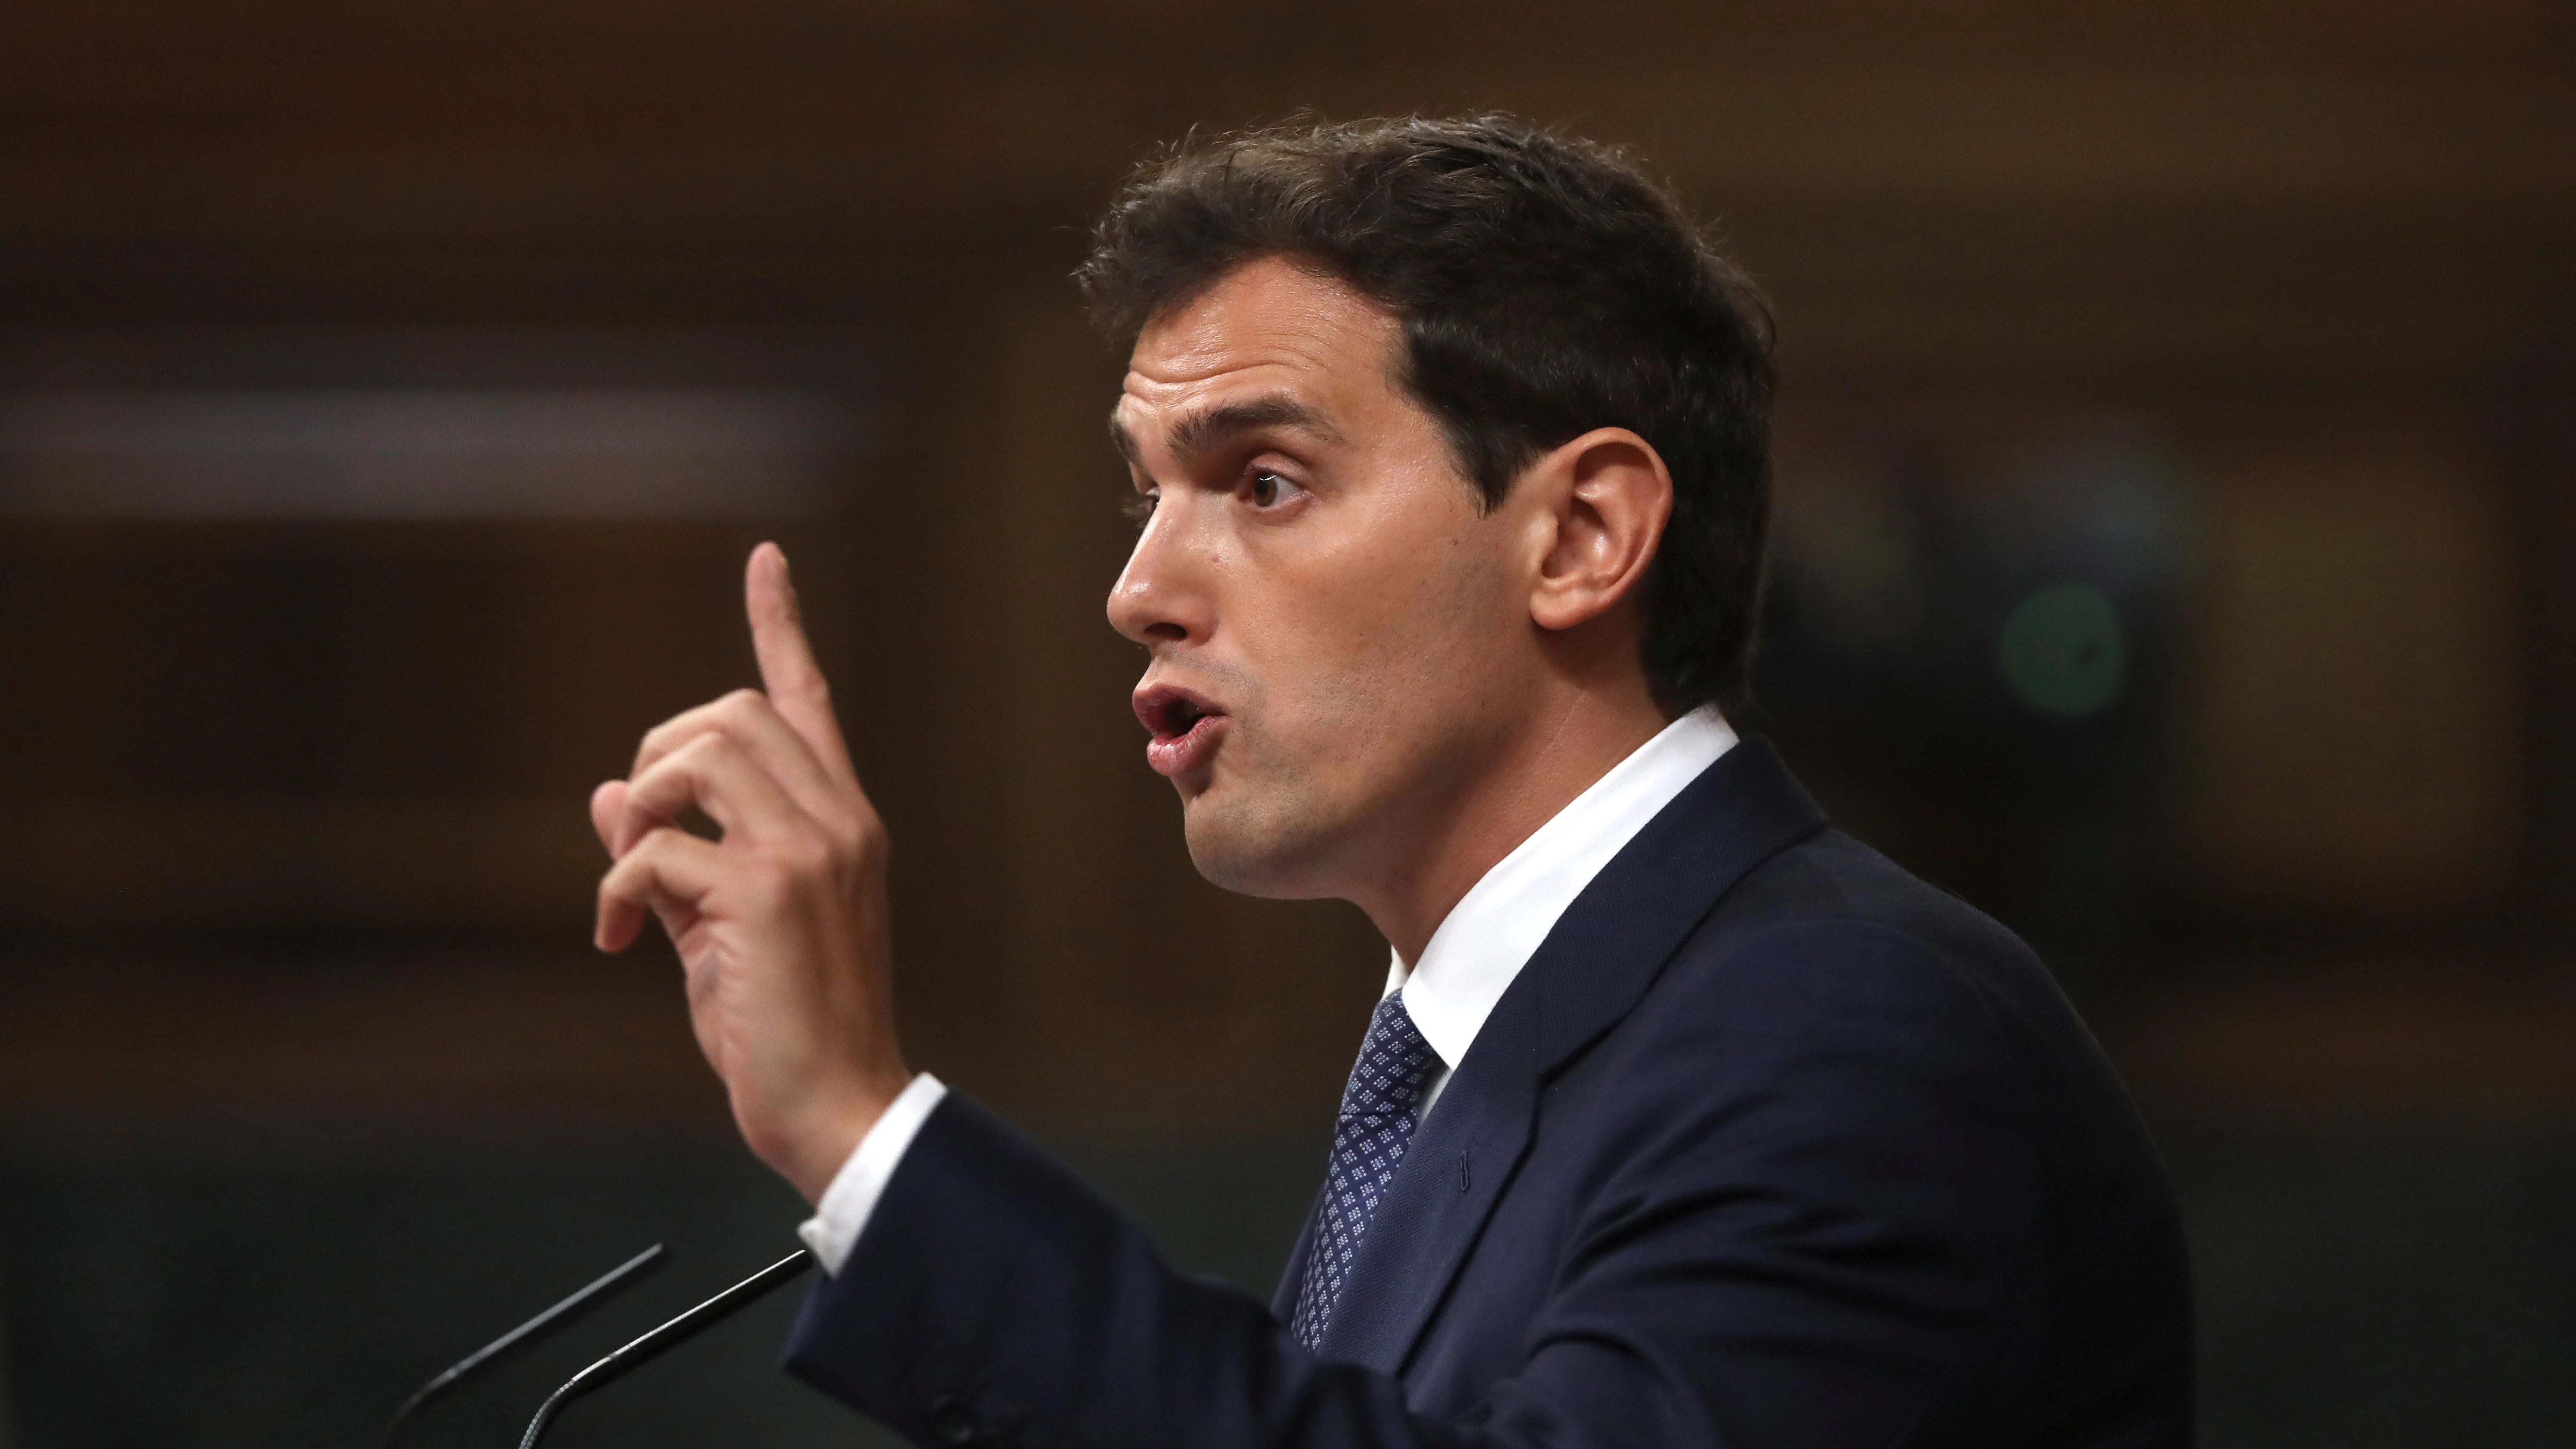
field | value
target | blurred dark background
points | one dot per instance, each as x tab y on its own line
2178	558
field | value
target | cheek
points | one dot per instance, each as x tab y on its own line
1393	633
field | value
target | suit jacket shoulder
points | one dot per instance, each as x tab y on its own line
1916	1204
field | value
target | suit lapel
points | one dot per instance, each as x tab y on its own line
1585	977
1283	1301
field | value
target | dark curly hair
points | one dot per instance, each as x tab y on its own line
1546	287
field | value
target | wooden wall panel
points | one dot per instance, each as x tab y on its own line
2353	735
289	754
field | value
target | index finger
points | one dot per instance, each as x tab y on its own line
788	673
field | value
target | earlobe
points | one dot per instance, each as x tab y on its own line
1609	496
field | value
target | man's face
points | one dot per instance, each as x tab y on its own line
1337	631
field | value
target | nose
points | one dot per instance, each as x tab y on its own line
1162	596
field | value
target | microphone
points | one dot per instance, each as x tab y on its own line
526	1336
667	1337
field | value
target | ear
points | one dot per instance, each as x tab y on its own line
1603	500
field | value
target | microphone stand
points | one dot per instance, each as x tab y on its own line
669	1336
526	1336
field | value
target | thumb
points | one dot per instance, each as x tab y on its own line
606	804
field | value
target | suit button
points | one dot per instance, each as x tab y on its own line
952	1420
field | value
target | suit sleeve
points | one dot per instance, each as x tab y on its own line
994	1299
1809	1227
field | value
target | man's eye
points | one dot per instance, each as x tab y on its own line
1269	490
1139	507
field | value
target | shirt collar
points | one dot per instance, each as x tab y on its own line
1497	926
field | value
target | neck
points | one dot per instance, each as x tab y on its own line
1532	771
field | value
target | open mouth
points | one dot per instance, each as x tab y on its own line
1184	725
1169	712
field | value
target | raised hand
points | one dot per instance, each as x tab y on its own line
781	924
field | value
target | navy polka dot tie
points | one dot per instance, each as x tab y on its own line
1375	1127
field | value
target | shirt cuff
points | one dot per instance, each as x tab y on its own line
843	1213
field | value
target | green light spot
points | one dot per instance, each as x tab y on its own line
2062	651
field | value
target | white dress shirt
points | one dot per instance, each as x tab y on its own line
1480	946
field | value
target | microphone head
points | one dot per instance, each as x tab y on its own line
526	1336
653	1344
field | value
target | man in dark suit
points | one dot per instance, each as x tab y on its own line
1684	1120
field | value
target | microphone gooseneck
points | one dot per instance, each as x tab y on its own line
526	1336
670	1335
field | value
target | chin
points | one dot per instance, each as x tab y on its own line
1274	853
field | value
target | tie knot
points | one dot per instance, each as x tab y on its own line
1394	1063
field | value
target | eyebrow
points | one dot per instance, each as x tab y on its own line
1201	432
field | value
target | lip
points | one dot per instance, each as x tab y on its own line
1186	727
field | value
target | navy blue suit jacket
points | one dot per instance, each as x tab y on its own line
1770	1144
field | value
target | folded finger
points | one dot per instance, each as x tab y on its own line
713	774
753	723
665	871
